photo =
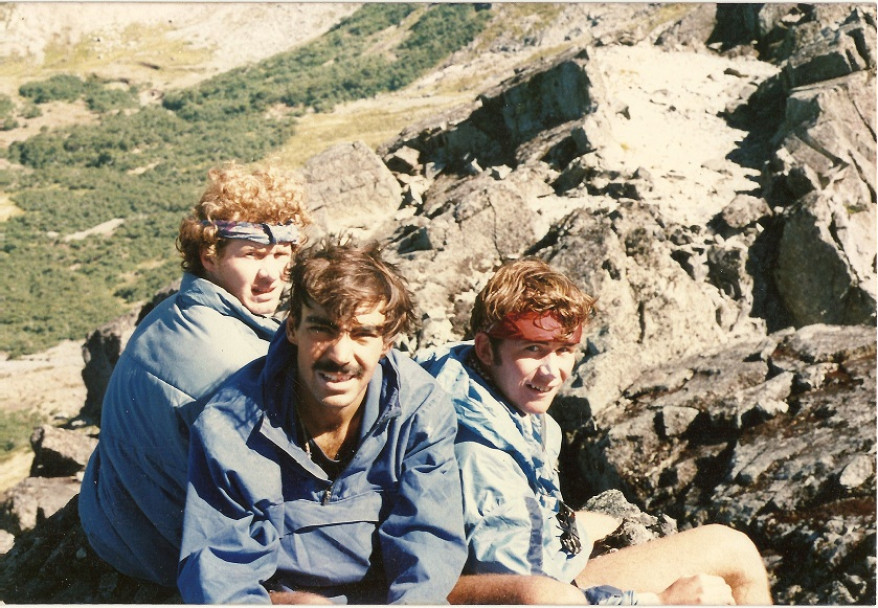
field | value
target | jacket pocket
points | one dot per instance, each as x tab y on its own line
332	543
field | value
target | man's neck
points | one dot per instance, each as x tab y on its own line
331	431
485	374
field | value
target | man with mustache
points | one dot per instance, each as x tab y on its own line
527	324
325	471
236	245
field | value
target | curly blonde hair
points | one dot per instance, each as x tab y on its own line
235	193
530	285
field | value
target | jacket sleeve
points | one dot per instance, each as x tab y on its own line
422	539
505	525
229	545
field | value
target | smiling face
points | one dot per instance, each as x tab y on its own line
253	273
335	361
528	373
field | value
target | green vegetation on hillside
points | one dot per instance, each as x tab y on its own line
147	167
15	429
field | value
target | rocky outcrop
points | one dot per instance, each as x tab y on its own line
55	564
102	349
819	174
348	187
635	527
101	352
60	455
775	437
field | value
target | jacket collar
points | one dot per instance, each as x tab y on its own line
478	404
278	421
480	410
196	290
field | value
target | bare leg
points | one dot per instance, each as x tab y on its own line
297	597
513	589
712	549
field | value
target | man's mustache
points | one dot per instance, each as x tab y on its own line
334	368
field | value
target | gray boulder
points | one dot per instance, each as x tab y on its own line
775	437
60	455
30	502
826	255
350	190
59	452
820	172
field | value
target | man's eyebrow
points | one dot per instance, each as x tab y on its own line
318	320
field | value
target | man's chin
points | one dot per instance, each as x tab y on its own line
535	406
263	307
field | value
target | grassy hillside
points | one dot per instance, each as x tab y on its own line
95	209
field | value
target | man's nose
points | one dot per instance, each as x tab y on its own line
550	367
271	268
341	349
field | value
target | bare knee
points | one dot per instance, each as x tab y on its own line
733	543
742	566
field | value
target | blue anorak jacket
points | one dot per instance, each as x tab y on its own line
511	491
134	489
260	515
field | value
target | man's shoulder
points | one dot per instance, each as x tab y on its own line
438	357
415	387
198	330
406	374
447	365
238	402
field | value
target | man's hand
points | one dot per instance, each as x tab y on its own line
701	589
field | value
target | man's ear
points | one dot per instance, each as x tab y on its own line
208	260
483	349
291	329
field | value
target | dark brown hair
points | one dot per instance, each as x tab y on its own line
344	278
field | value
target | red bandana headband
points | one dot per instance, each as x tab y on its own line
534	327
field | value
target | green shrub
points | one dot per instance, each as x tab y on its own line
103	100
16	427
147	167
6	105
31	110
61	87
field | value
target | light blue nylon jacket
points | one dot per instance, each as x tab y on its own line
260	514
511	492
133	491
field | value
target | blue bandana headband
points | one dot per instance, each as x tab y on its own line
264	234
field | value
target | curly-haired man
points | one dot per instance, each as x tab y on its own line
236	246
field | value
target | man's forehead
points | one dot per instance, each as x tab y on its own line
234	246
366	315
548	343
535	327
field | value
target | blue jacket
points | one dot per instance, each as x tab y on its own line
132	496
511	492
260	514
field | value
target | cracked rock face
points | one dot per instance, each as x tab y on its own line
773	437
723	210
